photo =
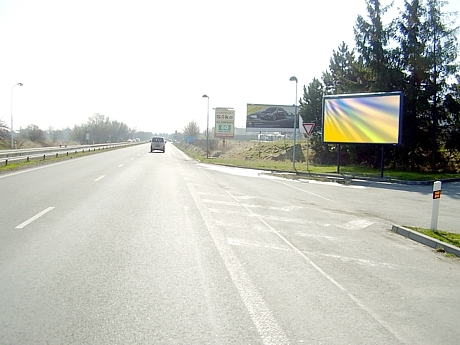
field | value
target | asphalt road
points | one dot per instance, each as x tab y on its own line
132	247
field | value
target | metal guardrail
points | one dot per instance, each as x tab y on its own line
10	156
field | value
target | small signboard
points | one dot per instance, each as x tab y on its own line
225	123
307	128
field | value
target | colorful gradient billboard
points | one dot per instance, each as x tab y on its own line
373	118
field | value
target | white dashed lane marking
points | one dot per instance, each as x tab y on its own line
99	178
30	220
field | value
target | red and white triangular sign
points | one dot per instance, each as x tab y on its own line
308	127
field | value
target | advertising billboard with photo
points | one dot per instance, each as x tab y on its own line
225	123
270	118
373	118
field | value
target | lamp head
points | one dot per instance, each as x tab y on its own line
293	79
20	84
205	96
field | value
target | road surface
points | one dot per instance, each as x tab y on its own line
132	247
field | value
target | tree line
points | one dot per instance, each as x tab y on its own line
98	129
415	53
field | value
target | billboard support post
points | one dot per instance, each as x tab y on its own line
338	158
382	166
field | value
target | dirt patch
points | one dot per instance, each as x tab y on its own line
251	150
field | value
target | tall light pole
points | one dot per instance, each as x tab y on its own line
20	84
295	121
207	128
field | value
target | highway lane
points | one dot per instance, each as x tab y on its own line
139	247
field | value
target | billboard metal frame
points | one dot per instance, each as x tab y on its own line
363	118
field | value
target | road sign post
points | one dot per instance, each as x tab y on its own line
307	129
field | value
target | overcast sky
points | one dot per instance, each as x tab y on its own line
147	63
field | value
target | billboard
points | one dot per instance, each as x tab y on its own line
225	123
270	118
372	118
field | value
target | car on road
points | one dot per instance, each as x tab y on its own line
157	143
272	113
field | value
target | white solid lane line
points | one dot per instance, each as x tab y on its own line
30	220
120	165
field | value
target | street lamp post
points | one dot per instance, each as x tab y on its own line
207	128
20	84
295	121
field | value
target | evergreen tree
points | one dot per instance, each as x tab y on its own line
372	39
415	66
346	74
441	53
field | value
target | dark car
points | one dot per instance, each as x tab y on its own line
272	113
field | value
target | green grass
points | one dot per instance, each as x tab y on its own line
272	156
444	236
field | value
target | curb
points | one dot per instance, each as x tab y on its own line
426	240
377	179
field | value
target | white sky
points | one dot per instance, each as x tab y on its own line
147	63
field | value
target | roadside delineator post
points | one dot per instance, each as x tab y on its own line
435	206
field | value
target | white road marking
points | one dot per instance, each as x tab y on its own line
132	158
362	262
333	184
239	204
323	237
244	243
356	224
304	191
120	165
30	220
220	202
39	168
99	178
267	326
269	217
357	301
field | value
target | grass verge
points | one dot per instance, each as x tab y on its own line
33	162
447	237
249	159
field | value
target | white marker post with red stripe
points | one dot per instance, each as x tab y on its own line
435	207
